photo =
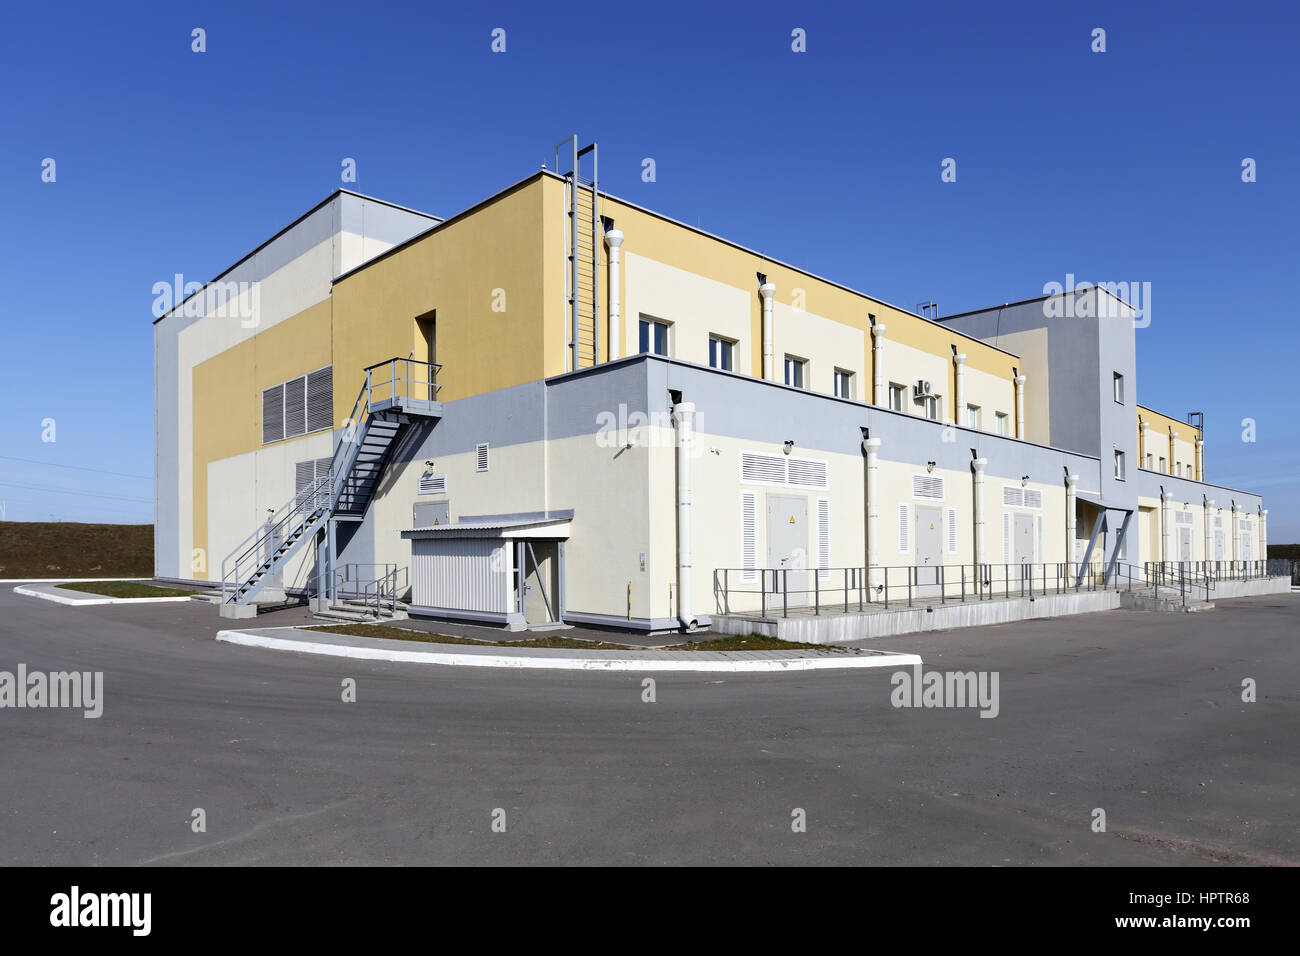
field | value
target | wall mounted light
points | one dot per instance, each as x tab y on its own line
929	466
1024	480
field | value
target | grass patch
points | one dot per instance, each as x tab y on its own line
124	589
49	549
403	634
752	642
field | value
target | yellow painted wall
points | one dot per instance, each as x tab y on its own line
1158	440
228	397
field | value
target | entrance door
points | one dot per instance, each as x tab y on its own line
787	546
1184	544
1023	553
929	553
427	332
1218	546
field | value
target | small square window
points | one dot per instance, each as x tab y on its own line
1119	466
722	353
794	371
973	416
1119	387
843	383
654	336
896	396
1001	419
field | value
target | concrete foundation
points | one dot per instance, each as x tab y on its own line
835	628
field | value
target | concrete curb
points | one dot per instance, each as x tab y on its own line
83	602
64	580
594	660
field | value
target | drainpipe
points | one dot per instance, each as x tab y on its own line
1263	535
1209	534
1070	482
1200	459
1165	498
1020	406
683	417
871	446
961	388
1236	533
767	290
1142	452
977	473
615	239
877	363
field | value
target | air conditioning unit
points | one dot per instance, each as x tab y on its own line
924	388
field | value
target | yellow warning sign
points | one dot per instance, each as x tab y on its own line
792	519
931	525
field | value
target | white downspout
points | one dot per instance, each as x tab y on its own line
978	466
1263	535
872	447
1173	450
1165	498
683	417
1236	533
1200	459
1142	452
1209	535
768	291
877	361
959	417
1070	482
1020	406
615	239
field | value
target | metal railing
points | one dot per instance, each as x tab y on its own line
375	586
387	382
779	591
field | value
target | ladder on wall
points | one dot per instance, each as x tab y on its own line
396	394
584	240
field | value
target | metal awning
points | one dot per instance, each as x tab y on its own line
551	526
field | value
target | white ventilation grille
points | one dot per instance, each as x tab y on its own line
808	473
481	457
952	530
757	468
1013	497
295	407
299	406
904	543
762	469
749	535
305	475
823	538
1218	522
1033	498
927	486
1038	537
1006	537
432	485
1182	517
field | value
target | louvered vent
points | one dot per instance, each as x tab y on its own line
749	535
807	473
762	469
823	537
927	486
273	414
904	539
320	399
481	457
295	407
1033	498
1013	497
952	530
432	485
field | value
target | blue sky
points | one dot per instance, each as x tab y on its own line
1119	166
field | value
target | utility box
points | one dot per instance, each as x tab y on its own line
429	514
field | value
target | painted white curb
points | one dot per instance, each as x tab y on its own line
82	602
64	580
844	661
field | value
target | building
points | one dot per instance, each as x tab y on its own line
560	406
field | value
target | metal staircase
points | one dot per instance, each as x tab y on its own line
396	393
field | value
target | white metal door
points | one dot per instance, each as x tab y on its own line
787	546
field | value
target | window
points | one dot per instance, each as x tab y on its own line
654	336
1001	418
299	406
896	396
1119	466
1148	461
1163	469
932	404
973	416
794	371
481	453
1118	384
722	353
843	383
